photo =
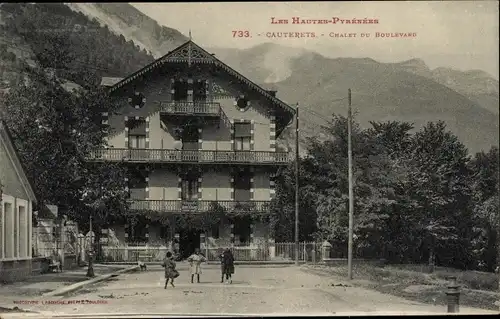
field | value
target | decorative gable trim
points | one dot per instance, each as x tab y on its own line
13	155
192	53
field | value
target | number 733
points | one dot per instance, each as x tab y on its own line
241	34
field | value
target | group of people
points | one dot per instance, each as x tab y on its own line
195	260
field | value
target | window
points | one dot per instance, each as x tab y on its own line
181	90
190	137
242	186
242	136
16	233
9	218
23	232
137	186
189	190
242	103
137	134
1	232
137	141
215	231
199	91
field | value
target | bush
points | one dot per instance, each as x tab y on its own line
475	280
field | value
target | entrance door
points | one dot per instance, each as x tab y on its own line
189	240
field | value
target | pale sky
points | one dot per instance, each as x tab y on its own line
458	34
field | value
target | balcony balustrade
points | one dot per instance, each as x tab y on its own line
189	156
201	108
199	206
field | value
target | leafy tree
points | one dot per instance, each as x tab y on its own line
440	187
54	130
372	187
282	220
486	208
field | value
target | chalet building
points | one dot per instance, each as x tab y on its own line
199	141
16	207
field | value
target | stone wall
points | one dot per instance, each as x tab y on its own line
15	270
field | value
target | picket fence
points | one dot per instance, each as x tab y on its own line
308	252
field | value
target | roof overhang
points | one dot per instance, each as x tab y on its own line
18	165
190	53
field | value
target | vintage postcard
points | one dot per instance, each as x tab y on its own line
249	159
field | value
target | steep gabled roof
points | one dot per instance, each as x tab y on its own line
192	53
19	167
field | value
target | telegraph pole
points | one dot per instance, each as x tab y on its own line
297	187
90	269
351	193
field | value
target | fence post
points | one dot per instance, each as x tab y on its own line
453	295
314	252
304	251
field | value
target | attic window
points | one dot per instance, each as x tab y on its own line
137	100
242	103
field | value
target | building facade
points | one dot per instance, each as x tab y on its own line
16	210
199	141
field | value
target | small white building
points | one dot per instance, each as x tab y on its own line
16	209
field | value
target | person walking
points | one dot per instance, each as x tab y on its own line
170	271
195	261
227	265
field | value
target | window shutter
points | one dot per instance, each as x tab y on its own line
242	130
137	127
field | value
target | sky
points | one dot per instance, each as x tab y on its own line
459	34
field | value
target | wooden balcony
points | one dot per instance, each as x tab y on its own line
199	206
185	108
189	156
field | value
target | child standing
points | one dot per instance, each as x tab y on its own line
195	261
170	271
227	265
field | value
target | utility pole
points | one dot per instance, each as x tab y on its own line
297	187
90	269
351	193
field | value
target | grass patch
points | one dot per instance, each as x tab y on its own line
413	283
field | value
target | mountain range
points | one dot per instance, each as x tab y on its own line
468	101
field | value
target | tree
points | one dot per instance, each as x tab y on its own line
486	208
440	186
54	131
372	187
282	219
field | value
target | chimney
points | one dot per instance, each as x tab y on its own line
273	93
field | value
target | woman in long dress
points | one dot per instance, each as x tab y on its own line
170	271
227	265
195	261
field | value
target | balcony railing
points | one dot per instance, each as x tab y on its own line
199	206
191	108
189	156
